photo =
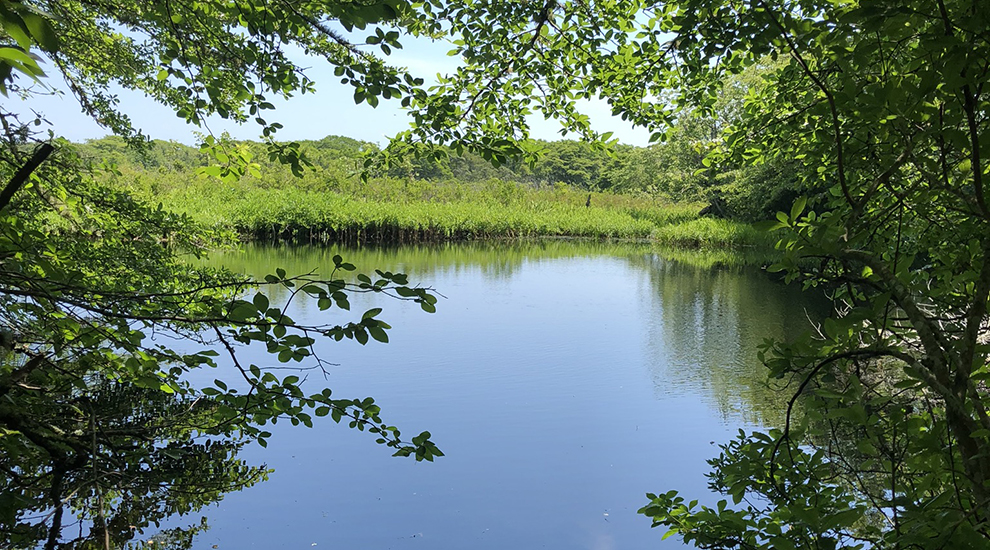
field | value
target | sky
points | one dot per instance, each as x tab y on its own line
329	111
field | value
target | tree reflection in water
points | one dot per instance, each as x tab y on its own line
96	465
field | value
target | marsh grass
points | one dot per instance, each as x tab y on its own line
712	233
389	211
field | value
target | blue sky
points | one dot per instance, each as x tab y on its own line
331	110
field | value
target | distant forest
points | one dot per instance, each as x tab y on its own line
569	162
670	171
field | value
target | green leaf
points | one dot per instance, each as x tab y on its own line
21	61
768	225
312	290
866	447
261	302
798	207
378	334
371	313
41	31
15	27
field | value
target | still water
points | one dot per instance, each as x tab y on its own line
562	380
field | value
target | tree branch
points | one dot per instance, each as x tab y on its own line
829	97
24	172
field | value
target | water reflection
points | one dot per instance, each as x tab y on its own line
496	260
707	324
709	310
562	379
123	459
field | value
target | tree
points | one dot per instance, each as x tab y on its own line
90	278
880	108
883	106
879	105
574	163
91	395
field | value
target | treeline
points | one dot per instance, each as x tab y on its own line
424	198
684	190
337	161
672	171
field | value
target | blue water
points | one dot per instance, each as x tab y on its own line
562	387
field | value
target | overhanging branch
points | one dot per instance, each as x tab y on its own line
23	173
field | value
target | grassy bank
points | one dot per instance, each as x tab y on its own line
336	218
414	202
712	233
281	214
396	210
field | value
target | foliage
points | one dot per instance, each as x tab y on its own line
712	233
672	169
574	163
880	105
877	110
321	206
757	192
323	217
337	162
88	381
123	491
873	109
690	163
390	211
102	321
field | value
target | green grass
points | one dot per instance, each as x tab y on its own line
706	258
283	214
333	204
712	233
393	211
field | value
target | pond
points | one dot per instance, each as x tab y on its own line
562	380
